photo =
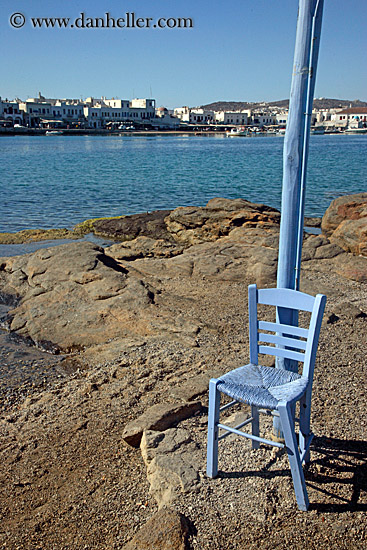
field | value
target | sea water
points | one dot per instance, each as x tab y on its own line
58	181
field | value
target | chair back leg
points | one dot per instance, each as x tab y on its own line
213	419
255	426
287	421
304	424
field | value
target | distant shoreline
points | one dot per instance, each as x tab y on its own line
101	132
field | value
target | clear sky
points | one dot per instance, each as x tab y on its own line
237	50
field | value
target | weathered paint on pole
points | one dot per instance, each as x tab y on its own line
295	154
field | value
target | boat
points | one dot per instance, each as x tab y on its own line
320	130
237	132
54	133
355	131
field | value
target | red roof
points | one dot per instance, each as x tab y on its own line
353	111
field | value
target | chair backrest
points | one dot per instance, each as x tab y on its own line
292	342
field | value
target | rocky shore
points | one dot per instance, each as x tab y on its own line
106	447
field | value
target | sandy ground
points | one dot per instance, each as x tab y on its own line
69	481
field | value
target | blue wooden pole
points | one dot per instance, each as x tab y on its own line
295	154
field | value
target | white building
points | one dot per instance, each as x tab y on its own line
10	112
355	116
163	119
34	110
281	119
183	113
263	119
100	112
229	117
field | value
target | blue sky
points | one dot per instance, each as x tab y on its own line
237	50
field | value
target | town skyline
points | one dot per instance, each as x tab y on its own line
233	50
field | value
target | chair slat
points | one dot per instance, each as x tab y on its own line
285	297
283	329
289	342
281	352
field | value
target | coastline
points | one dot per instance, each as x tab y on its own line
65	462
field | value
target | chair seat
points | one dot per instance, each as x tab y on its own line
262	386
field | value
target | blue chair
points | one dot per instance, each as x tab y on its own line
269	388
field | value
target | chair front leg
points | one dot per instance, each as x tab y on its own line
213	419
287	421
255	426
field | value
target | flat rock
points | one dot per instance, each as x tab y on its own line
312	221
172	463
144	247
165	530
149	224
194	387
158	418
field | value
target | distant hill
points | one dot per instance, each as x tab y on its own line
319	103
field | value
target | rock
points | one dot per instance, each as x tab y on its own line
315	287
149	224
245	252
159	418
166	530
345	222
351	267
193	225
312	222
349	310
194	387
144	247
76	296
351	235
328	251
172	463
352	207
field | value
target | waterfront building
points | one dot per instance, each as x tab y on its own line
10	112
281	119
165	119
232	117
34	110
263	119
352	117
99	112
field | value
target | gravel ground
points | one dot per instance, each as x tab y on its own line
68	481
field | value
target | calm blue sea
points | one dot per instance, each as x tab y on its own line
58	181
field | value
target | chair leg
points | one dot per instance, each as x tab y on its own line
255	425
287	421
304	425
213	419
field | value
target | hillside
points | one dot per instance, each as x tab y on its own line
319	103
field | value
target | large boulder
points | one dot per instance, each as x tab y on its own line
246	252
345	223
76	296
193	225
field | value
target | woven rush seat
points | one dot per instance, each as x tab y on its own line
262	386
